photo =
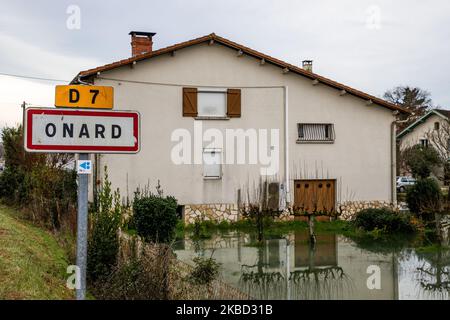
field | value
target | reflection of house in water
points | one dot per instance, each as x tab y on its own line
291	269
324	253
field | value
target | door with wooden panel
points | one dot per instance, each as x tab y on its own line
315	195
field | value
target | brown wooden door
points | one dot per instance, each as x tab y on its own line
315	195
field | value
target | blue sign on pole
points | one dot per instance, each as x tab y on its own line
84	167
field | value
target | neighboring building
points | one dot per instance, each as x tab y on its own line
423	130
432	129
321	144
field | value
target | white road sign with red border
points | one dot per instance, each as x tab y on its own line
81	131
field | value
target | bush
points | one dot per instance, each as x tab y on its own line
155	217
140	278
424	197
421	160
103	244
205	271
40	183
383	220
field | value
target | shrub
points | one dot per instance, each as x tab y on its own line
141	278
383	220
421	160
39	183
424	197
155	217
205	271
103	244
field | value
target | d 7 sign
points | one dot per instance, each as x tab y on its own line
94	97
77	131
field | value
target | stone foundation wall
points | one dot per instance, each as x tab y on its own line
349	209
229	211
211	212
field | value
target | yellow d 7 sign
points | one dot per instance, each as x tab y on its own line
93	97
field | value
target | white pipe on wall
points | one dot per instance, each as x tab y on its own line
286	144
393	164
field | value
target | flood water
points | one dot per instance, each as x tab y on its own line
335	268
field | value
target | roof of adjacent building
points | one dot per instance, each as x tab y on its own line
445	114
247	51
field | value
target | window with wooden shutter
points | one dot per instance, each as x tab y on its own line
234	103
189	102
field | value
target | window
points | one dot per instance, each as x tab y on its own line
436	126
212	163
315	132
423	142
212	104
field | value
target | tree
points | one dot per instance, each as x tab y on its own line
414	99
420	160
439	138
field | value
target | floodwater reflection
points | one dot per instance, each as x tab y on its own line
334	268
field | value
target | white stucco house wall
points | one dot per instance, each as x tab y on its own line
218	117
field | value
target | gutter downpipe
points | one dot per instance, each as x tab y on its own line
394	158
393	164
286	146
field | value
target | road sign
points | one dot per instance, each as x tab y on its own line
84	167
81	131
77	96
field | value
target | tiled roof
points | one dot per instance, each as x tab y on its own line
248	51
440	112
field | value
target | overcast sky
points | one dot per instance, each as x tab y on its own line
370	45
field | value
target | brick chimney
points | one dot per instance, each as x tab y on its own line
141	42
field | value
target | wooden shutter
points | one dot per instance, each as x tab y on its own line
189	102
234	103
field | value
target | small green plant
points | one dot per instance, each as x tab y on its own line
424	198
383	220
103	244
155	216
206	270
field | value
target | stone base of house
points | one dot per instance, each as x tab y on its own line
349	209
217	212
229	212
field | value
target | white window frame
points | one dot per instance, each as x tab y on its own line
213	91
206	174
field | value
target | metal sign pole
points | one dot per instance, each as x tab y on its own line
82	223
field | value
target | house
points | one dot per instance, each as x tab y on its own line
432	129
217	118
423	131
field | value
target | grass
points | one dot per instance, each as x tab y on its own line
32	263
